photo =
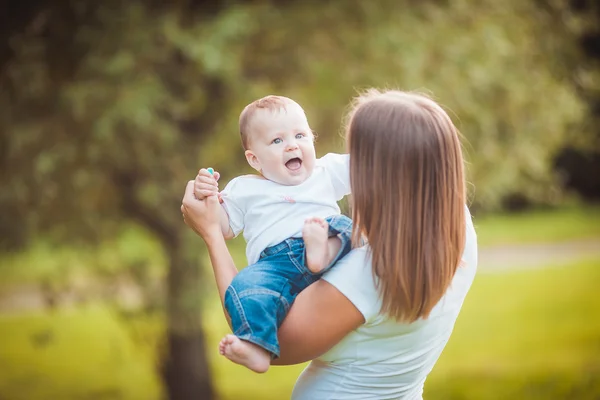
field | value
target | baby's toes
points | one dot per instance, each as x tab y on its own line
229	339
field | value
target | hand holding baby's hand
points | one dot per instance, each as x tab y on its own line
206	184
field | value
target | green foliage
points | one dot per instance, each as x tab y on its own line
121	136
572	35
149	95
482	61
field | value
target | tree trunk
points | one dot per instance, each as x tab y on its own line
186	370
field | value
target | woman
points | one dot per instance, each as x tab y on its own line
375	324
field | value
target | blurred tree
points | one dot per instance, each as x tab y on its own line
104	108
577	42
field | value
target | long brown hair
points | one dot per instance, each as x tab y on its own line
408	188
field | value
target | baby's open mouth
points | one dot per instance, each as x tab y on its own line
294	164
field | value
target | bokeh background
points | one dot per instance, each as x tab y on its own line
108	108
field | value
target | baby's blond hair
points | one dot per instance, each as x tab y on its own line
271	103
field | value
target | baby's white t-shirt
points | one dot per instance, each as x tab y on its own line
269	212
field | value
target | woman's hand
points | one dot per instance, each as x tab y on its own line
203	216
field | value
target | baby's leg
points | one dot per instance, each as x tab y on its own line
254	303
320	249
245	353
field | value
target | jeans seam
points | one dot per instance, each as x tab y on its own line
301	269
251	292
305	273
238	306
286	304
285	246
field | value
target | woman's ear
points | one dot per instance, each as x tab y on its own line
252	160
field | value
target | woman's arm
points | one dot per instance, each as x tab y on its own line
224	268
319	319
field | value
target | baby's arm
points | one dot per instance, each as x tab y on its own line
225	227
206	185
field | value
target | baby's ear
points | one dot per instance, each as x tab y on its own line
252	160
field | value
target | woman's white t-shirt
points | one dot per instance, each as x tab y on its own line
384	359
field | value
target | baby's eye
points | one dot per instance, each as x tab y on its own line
300	135
276	141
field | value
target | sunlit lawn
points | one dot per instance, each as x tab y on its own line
525	335
539	226
83	353
521	335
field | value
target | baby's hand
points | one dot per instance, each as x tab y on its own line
206	184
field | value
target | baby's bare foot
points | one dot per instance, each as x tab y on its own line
245	353
315	238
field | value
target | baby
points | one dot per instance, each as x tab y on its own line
291	222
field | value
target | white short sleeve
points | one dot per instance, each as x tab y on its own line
232	206
338	167
353	277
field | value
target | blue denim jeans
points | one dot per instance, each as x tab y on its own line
261	295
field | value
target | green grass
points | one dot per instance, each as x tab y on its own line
533	334
524	335
539	226
84	353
